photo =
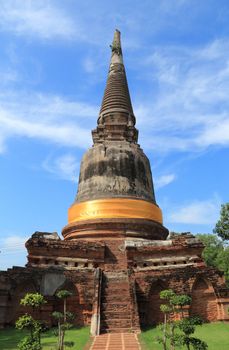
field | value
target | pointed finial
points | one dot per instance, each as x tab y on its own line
116	56
116	44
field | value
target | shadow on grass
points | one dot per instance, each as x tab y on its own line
10	337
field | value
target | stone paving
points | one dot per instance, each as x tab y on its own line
116	341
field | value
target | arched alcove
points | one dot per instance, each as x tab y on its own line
154	314
73	302
149	304
203	300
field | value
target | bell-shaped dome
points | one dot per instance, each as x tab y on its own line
115	169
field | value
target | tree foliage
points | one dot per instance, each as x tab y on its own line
187	326
35	300
216	253
63	294
26	321
222	225
31	342
27	343
172	338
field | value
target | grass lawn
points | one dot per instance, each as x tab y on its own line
216	335
10	337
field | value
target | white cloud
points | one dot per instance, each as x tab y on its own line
45	117
190	106
197	212
86	21
12	251
164	180
89	65
215	134
8	76
41	18
65	167
13	242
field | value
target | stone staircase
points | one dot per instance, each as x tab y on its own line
115	312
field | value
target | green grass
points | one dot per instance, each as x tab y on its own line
9	338
216	335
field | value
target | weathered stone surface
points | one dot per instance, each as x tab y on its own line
50	282
46	235
112	170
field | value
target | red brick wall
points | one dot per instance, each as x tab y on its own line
203	301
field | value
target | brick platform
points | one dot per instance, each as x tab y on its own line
117	341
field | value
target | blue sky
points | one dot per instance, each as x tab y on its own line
53	68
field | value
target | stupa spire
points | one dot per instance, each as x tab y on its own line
116	118
116	49
116	95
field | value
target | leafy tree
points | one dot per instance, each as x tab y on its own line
222	225
187	326
222	262
64	294
166	309
63	319
33	341
215	253
213	246
175	304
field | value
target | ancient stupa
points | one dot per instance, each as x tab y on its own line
116	255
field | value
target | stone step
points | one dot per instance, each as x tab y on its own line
116	307
115	298
114	314
116	330
115	302
116	323
118	296
112	318
116	287
115	275
111	291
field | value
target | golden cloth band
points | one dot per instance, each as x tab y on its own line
114	208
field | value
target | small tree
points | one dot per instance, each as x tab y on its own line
166	309
222	225
175	304
33	341
63	319
187	326
168	326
